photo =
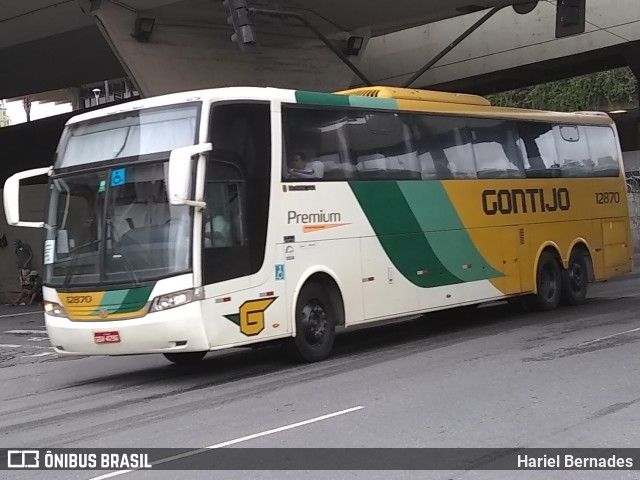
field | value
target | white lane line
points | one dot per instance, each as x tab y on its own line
20	314
609	336
26	332
13	345
43	354
237	440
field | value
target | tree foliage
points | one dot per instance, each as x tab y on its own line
597	91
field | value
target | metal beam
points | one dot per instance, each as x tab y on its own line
454	44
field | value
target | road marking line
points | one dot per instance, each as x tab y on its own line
26	332
13	345
237	440
20	314
43	354
610	336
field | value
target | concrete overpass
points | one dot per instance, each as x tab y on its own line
509	50
52	44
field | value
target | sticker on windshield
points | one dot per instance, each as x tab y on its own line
102	186
118	177
49	250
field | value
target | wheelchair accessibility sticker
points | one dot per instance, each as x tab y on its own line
118	177
279	272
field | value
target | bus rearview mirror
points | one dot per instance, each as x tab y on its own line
11	197
180	175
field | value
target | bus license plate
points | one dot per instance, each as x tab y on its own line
106	337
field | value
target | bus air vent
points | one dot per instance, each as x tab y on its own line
522	236
419	95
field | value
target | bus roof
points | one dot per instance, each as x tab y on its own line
386	98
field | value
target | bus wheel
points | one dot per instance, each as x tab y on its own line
315	324
186	358
548	283
575	280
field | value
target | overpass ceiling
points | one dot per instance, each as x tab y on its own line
52	44
386	16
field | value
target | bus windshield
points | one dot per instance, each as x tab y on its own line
115	225
128	134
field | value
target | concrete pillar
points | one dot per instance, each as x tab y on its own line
190	48
74	96
633	61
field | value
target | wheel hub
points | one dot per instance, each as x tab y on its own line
576	277
314	321
549	283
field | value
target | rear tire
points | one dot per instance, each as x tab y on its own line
185	358
575	280
315	324
548	283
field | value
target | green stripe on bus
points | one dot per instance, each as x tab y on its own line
373	102
445	232
136	299
400	234
111	301
334	100
316	98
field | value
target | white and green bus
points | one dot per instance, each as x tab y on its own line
213	219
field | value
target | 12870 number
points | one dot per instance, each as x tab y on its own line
80	299
607	197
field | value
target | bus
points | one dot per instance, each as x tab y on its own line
221	218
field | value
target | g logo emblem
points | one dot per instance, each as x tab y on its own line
251	316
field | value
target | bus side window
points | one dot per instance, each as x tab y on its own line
315	145
541	156
444	147
603	149
496	149
237	191
573	151
383	146
223	220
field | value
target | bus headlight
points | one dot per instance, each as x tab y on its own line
172	300
54	309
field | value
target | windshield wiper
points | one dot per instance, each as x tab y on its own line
130	269
111	236
76	254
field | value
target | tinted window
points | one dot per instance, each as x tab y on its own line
541	159
359	144
603	149
573	151
238	181
444	147
569	150
128	134
382	146
496	149
316	145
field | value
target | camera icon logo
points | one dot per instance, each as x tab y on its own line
23	459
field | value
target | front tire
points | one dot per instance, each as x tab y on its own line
548	283
575	280
315	324
185	358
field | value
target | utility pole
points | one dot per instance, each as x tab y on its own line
26	103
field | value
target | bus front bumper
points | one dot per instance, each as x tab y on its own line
178	329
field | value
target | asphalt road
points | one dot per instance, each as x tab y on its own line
486	378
